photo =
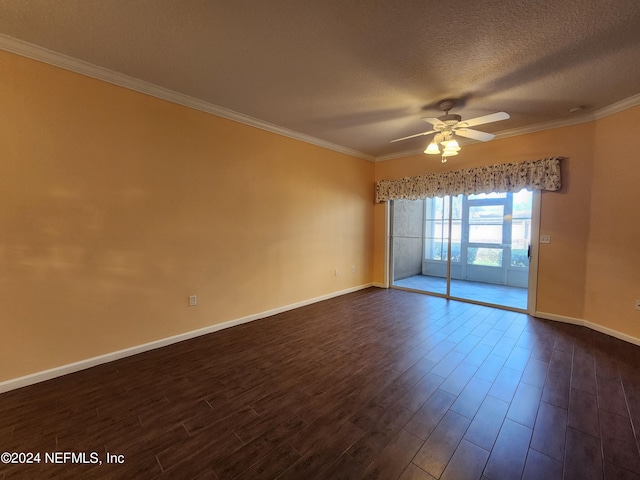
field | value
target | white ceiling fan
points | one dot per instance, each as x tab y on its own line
447	126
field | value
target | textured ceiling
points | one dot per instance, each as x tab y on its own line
356	73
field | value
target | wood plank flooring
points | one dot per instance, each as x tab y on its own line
378	384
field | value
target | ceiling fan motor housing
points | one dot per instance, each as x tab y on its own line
450	119
446	105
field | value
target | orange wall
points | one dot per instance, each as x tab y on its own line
115	206
613	260
564	214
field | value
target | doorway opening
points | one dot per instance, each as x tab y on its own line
466	247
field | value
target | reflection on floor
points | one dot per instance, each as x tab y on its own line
480	292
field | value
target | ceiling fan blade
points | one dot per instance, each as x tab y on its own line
432	121
474	134
493	117
412	136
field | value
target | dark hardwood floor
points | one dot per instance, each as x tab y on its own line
378	384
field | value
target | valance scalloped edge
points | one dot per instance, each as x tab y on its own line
541	174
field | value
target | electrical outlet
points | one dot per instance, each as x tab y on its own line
638	304
193	300
353	269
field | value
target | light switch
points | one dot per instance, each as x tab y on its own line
545	238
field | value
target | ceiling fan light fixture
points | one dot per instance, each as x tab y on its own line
449	153
448	126
451	145
449	142
432	148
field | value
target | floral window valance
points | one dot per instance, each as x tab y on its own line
507	177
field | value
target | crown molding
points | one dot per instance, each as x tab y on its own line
539	127
41	54
612	109
617	107
393	156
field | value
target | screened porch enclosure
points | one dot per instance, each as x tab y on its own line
481	241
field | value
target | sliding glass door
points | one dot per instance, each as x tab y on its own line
467	247
442	240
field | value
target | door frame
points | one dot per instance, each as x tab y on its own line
536	213
532	288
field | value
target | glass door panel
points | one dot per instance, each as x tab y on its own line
496	231
436	245
413	237
518	269
466	247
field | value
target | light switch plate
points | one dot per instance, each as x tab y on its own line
545	238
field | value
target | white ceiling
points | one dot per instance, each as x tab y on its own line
356	73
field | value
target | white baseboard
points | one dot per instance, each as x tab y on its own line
379	285
110	357
559	318
591	325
